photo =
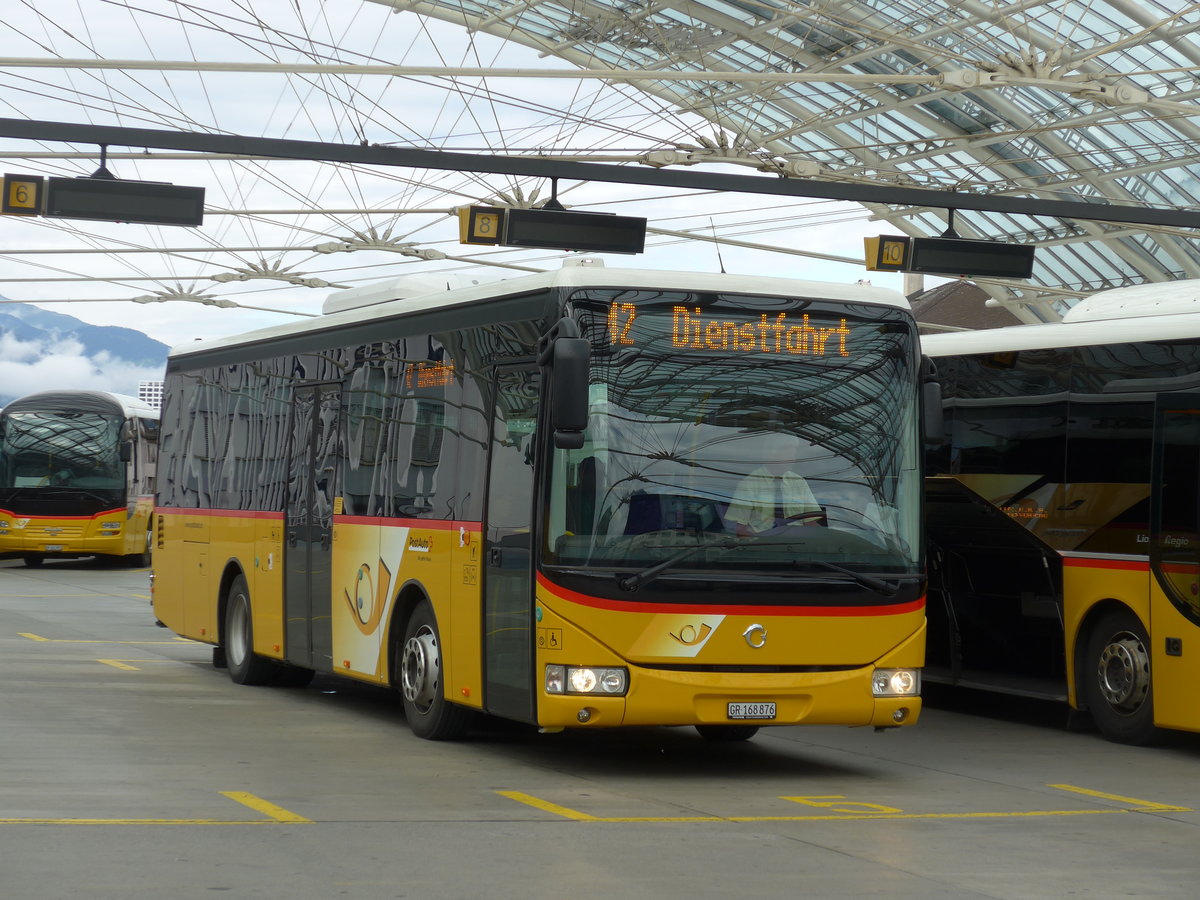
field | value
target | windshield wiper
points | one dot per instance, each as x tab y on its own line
878	585
638	579
635	581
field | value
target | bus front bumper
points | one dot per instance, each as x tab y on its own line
672	697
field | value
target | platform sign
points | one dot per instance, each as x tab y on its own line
23	195
572	230
886	253
120	200
978	259
480	225
949	256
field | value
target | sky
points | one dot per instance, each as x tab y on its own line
268	225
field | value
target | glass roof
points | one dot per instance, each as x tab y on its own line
1082	100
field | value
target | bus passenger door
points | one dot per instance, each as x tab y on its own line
509	684
308	534
1175	562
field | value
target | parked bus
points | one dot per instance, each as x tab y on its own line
516	499
1063	511
77	476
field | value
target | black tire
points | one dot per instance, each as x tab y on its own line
33	562
727	733
141	560
418	674
1117	679
238	639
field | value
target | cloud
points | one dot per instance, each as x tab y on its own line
30	366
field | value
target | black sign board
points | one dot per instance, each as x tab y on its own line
118	200
569	230
981	259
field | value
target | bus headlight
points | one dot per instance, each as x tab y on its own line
586	680
896	683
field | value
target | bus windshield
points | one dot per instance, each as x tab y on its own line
61	449
741	434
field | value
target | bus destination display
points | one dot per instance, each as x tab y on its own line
778	333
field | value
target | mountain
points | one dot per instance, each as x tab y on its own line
27	323
42	350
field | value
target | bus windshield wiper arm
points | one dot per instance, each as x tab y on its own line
878	585
635	581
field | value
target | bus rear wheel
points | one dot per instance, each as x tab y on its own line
419	661
727	733
1117	679
244	666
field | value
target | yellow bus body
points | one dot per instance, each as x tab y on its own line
196	553
114	532
1091	585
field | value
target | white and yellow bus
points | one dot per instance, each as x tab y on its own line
1063	511
514	499
77	476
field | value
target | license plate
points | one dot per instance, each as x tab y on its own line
751	710
51	547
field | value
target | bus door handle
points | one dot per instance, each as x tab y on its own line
495	557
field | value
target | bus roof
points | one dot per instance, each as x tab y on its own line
414	294
1145	312
129	407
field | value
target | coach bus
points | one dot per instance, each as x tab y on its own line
519	499
1063	510
77	476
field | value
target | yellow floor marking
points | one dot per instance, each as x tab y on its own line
568	813
134	822
125	663
1138	805
46	640
547	806
258	804
276	816
576	815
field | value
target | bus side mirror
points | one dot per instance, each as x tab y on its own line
569	391
932	420
126	451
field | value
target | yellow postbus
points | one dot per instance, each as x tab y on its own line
528	499
77	476
1063	510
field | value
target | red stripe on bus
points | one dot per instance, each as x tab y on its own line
429	524
728	609
1129	565
118	510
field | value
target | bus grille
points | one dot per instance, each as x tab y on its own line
53	532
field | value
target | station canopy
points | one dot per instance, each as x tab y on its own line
1083	100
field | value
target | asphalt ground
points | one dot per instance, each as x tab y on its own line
130	768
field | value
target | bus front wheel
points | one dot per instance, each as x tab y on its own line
244	666
1117	681
430	715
